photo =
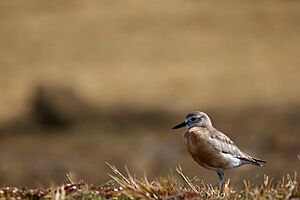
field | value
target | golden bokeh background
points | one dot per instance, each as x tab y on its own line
88	82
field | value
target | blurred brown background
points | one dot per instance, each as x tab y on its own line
84	82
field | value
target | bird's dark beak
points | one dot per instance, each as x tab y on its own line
179	125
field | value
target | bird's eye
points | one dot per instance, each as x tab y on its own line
193	119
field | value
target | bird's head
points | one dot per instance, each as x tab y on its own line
193	119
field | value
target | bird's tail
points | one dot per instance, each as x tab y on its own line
253	161
257	161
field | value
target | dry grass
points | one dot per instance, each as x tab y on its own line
130	187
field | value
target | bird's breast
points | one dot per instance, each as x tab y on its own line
201	147
198	142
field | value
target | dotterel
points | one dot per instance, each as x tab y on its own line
211	148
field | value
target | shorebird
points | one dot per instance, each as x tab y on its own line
211	148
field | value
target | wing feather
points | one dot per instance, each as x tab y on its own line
226	145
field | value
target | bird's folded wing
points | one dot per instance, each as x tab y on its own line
225	145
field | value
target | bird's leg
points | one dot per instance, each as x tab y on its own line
221	178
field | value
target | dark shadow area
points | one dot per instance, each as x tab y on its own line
60	108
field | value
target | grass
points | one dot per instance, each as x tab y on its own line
169	187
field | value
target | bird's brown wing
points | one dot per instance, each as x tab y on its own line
226	145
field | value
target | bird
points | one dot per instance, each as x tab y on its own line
211	148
